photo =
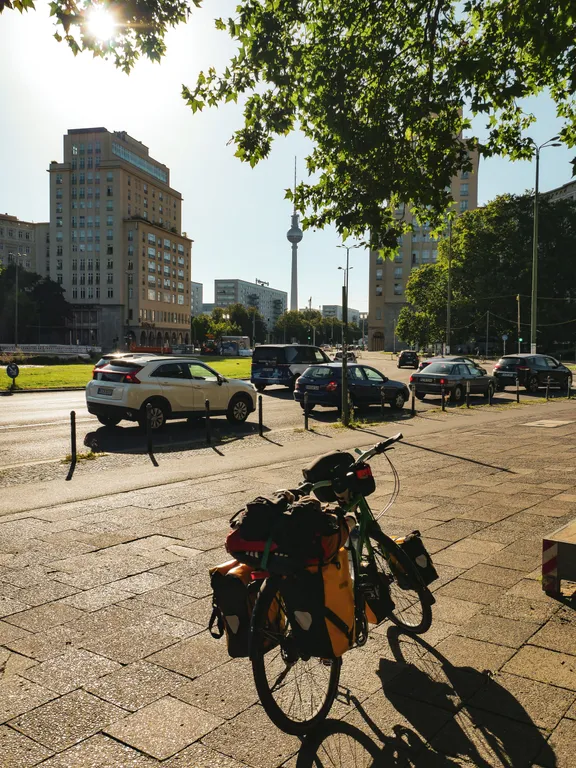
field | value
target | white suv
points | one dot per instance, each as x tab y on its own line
175	387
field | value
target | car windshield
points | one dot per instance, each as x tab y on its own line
510	362
270	355
319	373
445	368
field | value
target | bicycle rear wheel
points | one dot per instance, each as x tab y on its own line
412	600
296	691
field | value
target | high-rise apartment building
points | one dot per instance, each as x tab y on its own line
196	298
335	310
388	278
270	302
24	242
116	242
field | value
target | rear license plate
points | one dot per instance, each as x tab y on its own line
507	374
312	386
105	390
427	381
267	370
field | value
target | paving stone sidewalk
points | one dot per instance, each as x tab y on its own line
105	661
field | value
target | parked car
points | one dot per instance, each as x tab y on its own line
451	359
453	377
176	388
408	358
532	372
323	383
350	356
283	363
110	356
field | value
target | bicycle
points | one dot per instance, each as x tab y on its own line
296	691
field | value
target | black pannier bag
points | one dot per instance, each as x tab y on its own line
374	586
259	518
361	480
233	598
413	546
332	466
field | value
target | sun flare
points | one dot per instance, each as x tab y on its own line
102	24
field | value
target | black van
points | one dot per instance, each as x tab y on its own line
283	363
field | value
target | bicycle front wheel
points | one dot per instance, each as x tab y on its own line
412	600
295	690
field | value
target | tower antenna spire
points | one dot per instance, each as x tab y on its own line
294	236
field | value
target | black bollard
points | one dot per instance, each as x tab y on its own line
306	411
260	422
489	395
468	394
382	400
443	394
517	389
73	454
413	402
547	388
208	434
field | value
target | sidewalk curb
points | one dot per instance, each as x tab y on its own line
47	389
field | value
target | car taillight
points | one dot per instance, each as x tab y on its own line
442	382
131	378
331	386
411	379
496	367
297	385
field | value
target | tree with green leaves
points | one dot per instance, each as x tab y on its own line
378	87
42	307
491	267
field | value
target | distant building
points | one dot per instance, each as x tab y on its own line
565	192
335	311
270	302
22	241
207	308
196	292
388	277
117	247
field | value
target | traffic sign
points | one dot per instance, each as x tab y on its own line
504	337
12	370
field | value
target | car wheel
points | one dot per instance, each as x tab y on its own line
109	421
158	416
239	409
532	384
398	402
456	394
260	387
420	397
310	407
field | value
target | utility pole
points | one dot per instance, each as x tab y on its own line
553	142
519	331
17	264
449	297
487	331
253	327
345	409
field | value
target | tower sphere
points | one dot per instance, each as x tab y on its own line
294	234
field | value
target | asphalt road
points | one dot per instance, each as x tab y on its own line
35	427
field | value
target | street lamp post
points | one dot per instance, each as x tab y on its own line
16	258
553	142
449	287
345	409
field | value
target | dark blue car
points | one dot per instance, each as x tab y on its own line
323	383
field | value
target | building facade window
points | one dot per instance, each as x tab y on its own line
398	273
463	205
110	293
463	190
397	289
378	290
379	274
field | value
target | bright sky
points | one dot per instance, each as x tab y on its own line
236	215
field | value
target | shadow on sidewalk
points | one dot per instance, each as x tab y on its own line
176	436
446	716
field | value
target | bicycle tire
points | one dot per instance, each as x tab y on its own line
266	641
407	571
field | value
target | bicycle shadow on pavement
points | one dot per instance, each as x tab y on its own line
434	715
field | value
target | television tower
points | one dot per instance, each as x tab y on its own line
294	236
